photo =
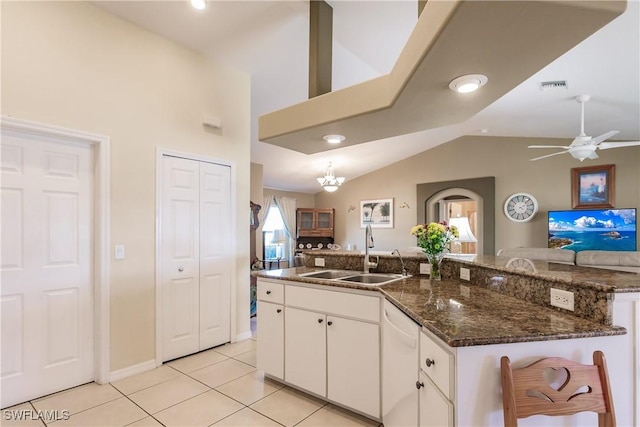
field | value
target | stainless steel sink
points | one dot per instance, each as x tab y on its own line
328	274
369	279
374	279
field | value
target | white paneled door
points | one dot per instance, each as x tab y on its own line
46	301
196	256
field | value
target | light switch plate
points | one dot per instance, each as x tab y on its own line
319	262
119	251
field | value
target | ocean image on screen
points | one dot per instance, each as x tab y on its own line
598	229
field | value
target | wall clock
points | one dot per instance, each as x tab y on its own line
520	207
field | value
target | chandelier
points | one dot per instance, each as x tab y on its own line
329	181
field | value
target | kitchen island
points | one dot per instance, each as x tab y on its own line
502	310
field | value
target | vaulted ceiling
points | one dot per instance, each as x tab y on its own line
269	40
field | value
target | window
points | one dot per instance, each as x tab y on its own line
274	236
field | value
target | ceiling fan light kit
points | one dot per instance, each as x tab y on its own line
584	146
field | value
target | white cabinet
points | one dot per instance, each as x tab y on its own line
331	342
270	356
435	409
437	383
305	350
353	364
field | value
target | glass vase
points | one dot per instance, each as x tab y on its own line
434	265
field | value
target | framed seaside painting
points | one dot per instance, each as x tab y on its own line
593	187
377	213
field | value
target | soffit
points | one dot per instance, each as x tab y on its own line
507	41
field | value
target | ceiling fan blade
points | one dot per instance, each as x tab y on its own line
548	155
604	136
607	145
548	146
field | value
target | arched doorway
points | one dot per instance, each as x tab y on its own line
430	198
459	203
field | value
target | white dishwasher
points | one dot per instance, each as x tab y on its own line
400	368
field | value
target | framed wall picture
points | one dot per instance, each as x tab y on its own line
593	187
377	213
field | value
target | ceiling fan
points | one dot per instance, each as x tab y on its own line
584	146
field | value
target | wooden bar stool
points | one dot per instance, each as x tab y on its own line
530	390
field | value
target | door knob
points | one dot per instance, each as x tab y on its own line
180	269
419	385
429	362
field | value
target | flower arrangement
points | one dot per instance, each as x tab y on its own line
434	237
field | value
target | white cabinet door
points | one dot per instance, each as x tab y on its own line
353	364
270	357
306	350
435	409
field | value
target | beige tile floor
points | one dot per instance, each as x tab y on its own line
217	387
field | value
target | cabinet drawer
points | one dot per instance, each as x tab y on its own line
341	303
269	291
437	363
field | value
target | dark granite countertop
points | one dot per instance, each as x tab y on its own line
597	278
463	314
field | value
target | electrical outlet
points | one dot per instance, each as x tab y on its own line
562	299
425	268
465	274
319	262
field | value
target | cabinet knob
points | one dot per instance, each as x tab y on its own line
279	310
329	323
429	362
268	292
419	385
319	320
180	269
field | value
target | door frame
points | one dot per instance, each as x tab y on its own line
160	153
101	228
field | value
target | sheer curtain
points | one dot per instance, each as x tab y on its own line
287	207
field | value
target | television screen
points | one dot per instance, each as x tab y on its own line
594	229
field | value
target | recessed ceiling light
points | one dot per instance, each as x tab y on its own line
199	4
334	139
468	83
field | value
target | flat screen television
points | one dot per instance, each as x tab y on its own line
593	229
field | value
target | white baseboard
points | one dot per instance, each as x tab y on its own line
132	370
243	336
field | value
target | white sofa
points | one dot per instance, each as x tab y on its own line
560	256
611	260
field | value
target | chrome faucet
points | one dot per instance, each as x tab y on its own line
404	269
368	243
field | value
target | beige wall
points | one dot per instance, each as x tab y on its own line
73	65
507	159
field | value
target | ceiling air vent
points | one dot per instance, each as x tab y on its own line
556	84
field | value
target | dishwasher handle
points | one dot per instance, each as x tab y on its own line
407	339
